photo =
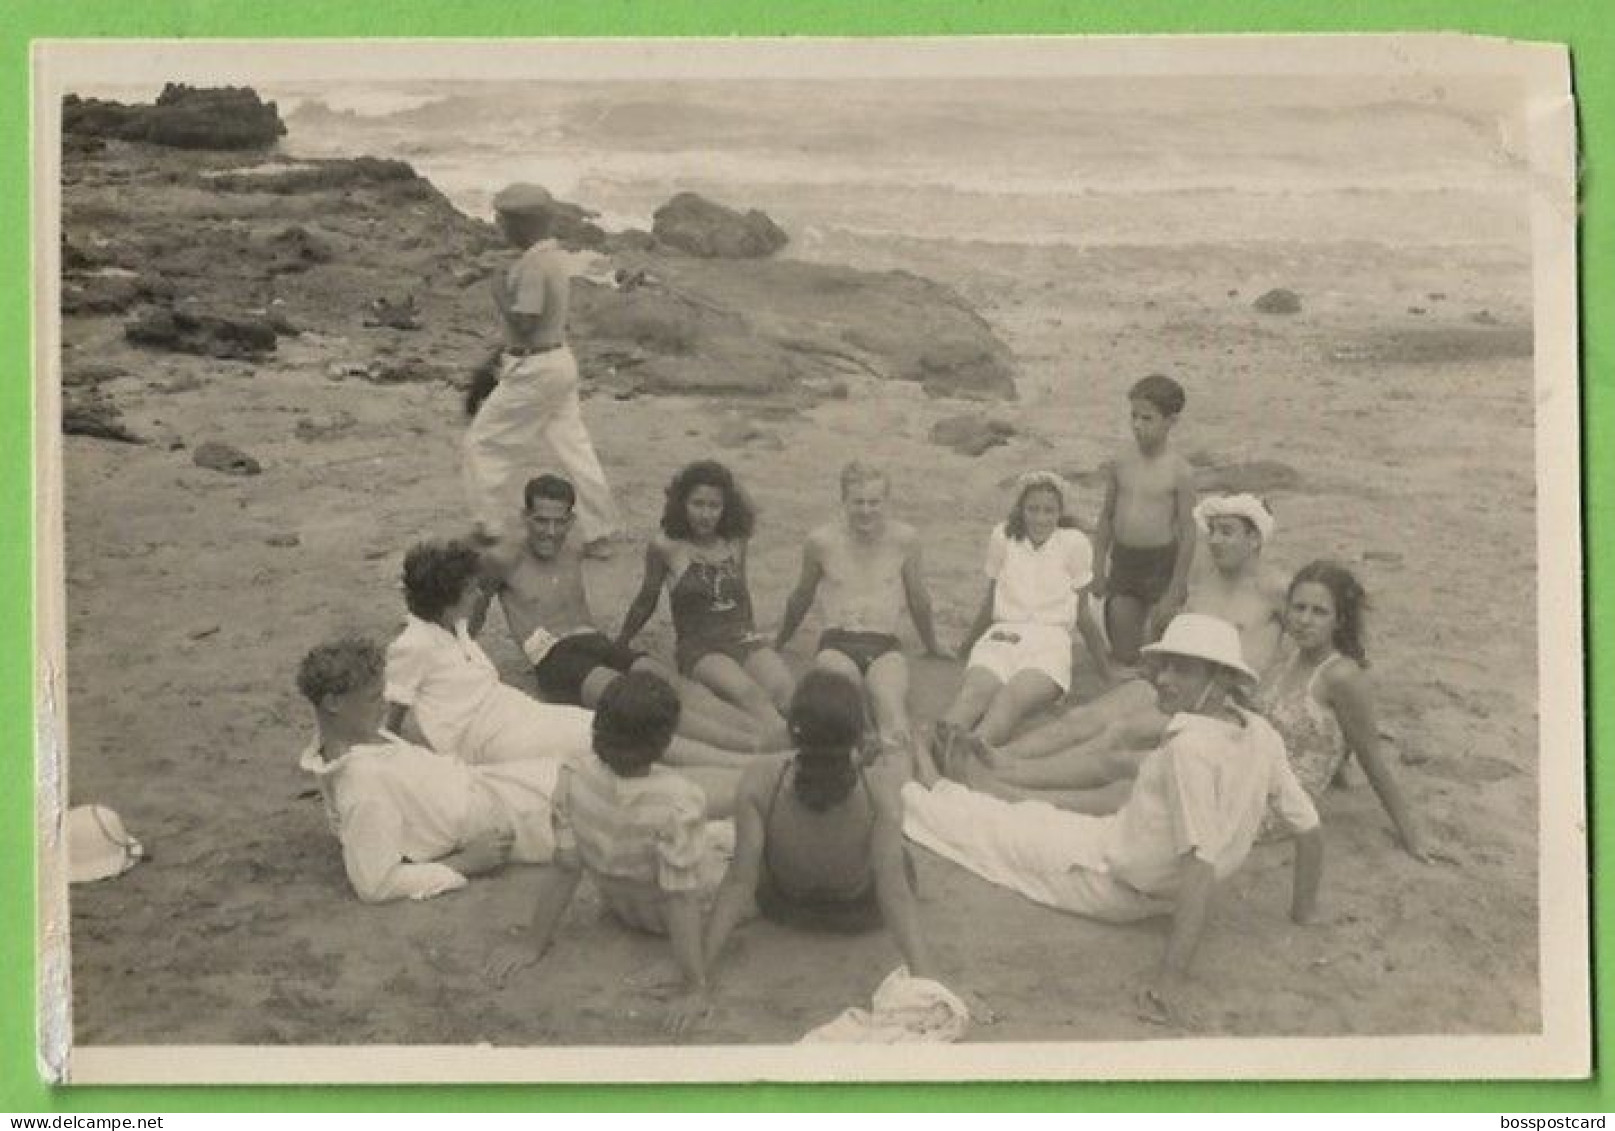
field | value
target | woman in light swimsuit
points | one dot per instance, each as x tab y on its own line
819	845
700	556
1317	695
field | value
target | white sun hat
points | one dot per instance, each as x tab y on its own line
1247	507
98	847
1202	637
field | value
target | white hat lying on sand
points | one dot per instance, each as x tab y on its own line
1247	507
97	845
1202	637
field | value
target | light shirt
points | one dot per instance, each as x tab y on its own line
1038	584
649	830
1203	791
444	677
395	807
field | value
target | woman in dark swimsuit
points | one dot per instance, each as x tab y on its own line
818	844
700	555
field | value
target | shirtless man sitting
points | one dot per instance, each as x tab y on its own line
539	584
1102	741
864	562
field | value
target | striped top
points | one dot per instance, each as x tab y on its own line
649	829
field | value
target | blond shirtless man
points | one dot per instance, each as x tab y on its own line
539	584
866	567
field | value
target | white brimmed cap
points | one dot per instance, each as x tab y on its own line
1247	507
1202	637
97	845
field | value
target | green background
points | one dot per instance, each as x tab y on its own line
1586	26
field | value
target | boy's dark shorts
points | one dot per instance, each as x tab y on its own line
862	648
1143	573
560	674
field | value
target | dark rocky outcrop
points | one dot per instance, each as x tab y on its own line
218	254
231	460
694	225
183	117
208	335
971	433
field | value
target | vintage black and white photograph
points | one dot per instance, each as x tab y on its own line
1060	557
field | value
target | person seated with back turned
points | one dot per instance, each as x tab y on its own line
866	566
818	842
639	831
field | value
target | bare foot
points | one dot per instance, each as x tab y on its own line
977	747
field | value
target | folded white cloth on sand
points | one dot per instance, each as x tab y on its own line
98	846
906	1010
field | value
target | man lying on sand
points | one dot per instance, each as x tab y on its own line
1104	740
539	583
413	824
1159	844
866	565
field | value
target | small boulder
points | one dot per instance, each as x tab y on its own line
1279	300
95	416
394	314
696	226
324	427
971	433
207	335
226	458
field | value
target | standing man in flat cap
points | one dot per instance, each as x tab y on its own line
534	411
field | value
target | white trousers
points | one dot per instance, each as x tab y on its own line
532	419
1051	856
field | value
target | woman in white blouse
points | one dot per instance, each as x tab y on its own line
1019	646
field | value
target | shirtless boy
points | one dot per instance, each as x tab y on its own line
865	563
1145	540
539	585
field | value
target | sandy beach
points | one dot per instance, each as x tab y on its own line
1390	423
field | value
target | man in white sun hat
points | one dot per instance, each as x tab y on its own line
1156	845
1234	584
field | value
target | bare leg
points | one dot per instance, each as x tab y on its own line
1024	693
887	684
697	697
1080	724
729	680
1088	766
767	667
975	696
718	784
1124	624
684	752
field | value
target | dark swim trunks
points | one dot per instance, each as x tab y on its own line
862	648
560	674
1143	573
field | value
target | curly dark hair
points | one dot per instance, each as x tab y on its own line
436	575
634	722
1015	524
1351	603
827	723
338	666
739	517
